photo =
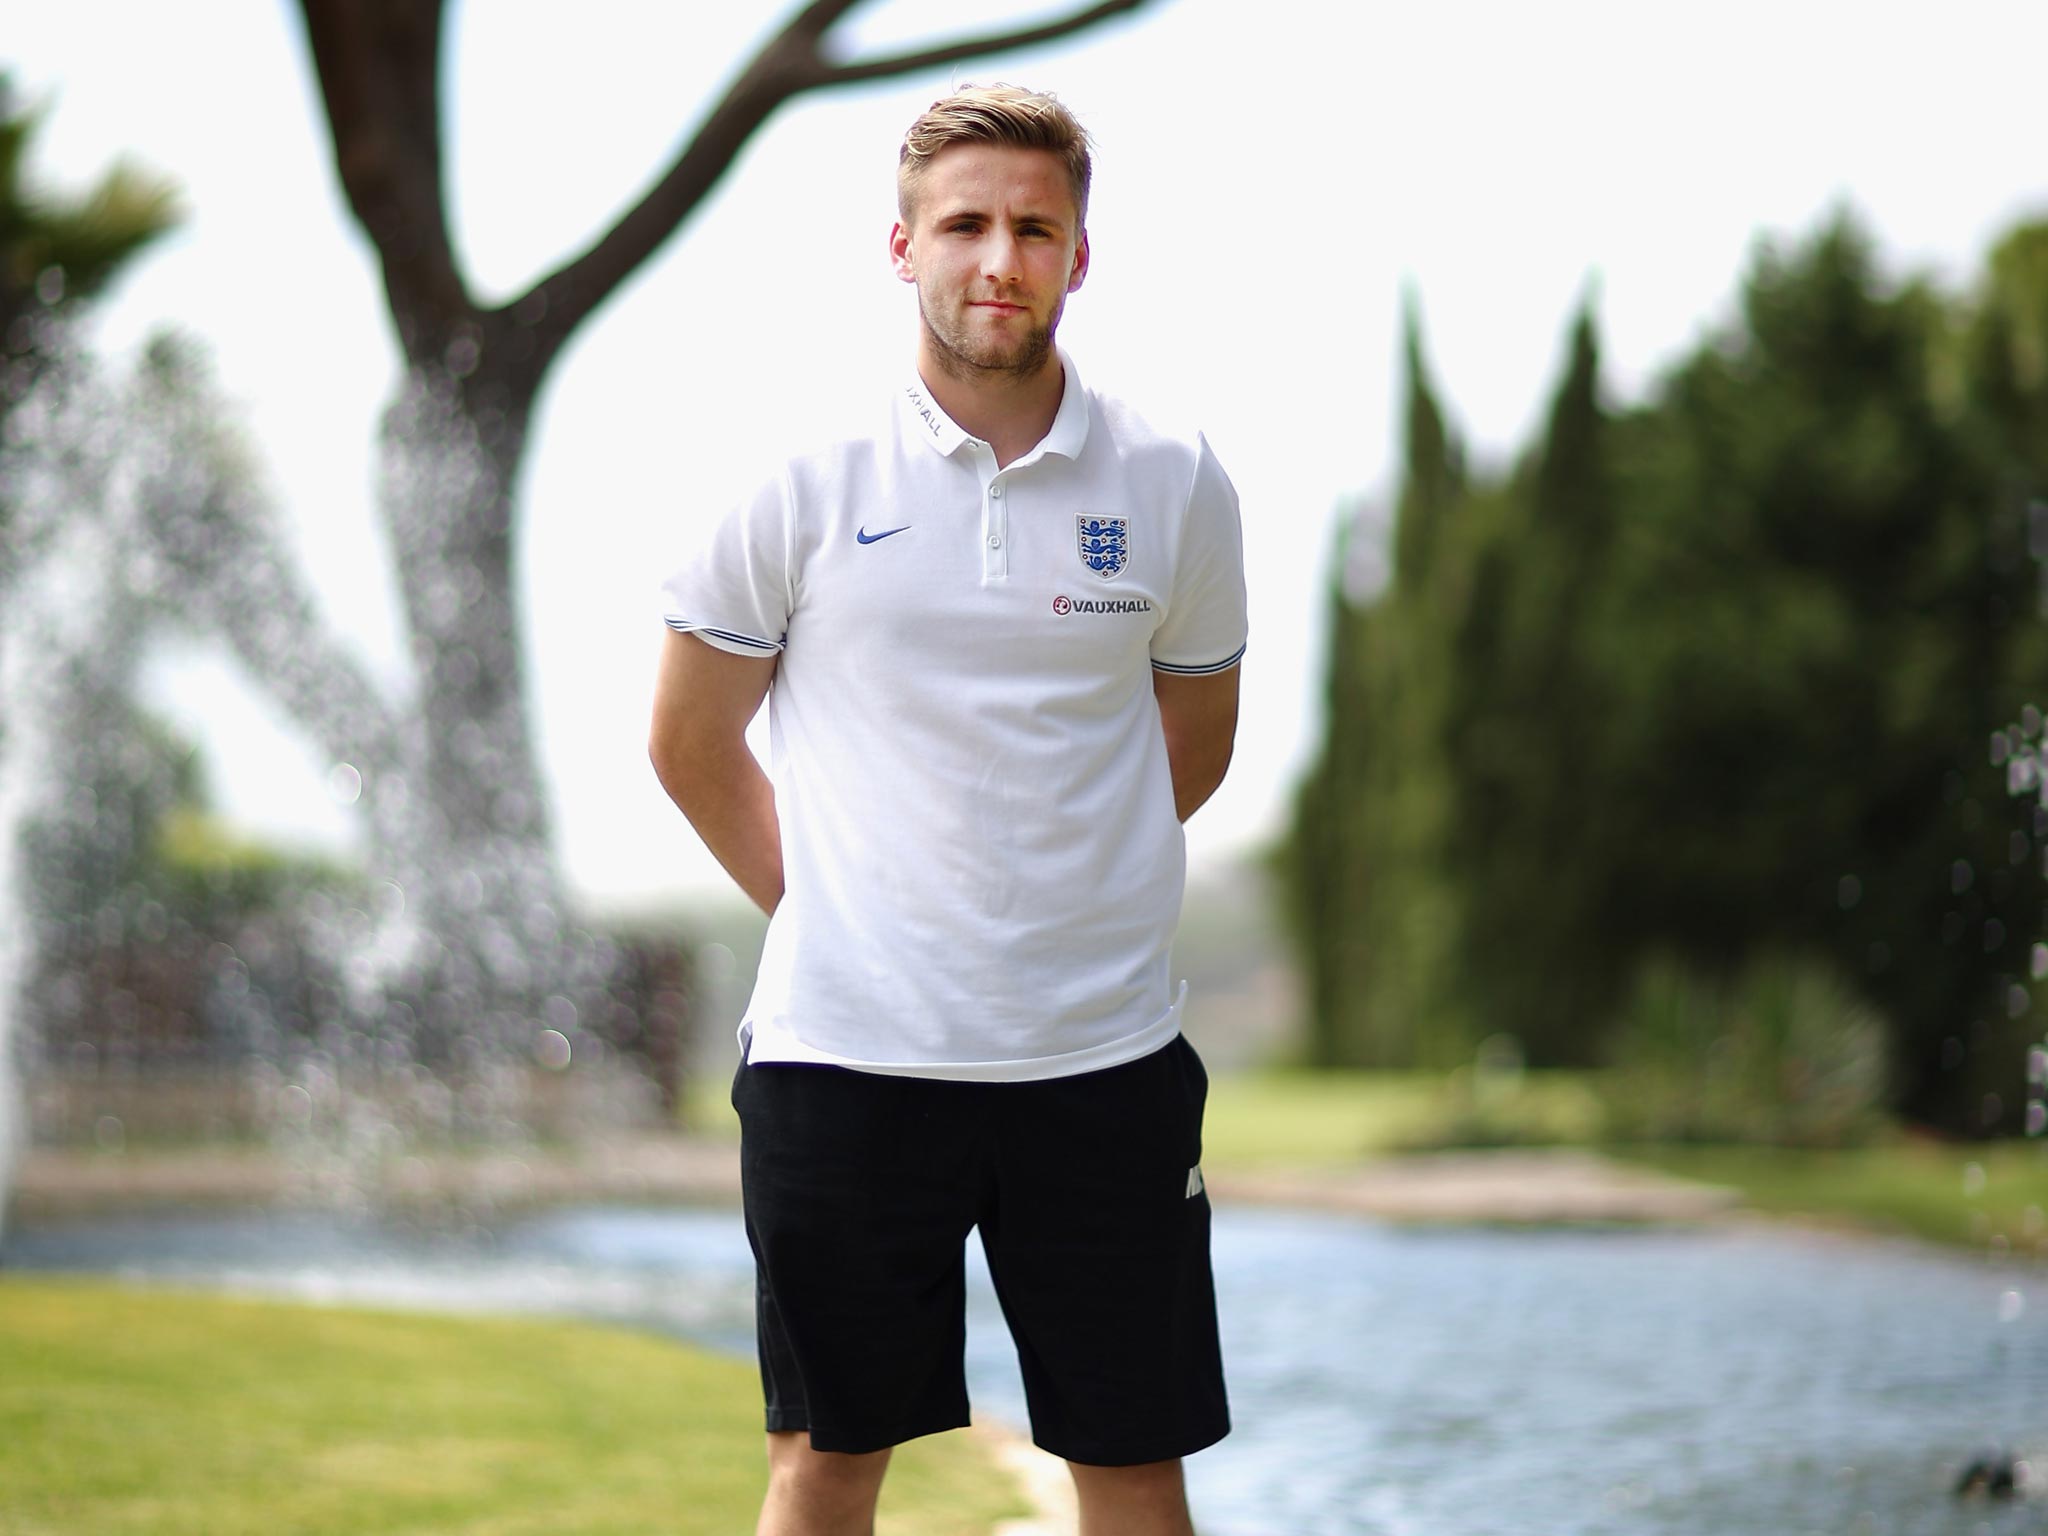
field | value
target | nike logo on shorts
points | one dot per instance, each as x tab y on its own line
874	538
1195	1185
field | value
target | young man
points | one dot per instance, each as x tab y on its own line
1002	637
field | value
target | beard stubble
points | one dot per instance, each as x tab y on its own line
965	358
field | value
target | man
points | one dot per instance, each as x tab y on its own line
1002	638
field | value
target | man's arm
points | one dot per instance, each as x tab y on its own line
703	701
1199	715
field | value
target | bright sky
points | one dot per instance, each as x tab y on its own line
1268	178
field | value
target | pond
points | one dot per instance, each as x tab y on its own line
1386	1381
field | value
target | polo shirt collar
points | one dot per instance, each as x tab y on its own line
923	417
1069	430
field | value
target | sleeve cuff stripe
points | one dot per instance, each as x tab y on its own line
683	627
1215	666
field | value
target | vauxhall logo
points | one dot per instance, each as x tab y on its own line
924	412
1064	605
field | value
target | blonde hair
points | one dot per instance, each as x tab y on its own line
994	114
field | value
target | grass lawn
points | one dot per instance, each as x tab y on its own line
706	1109
1303	1117
1921	1189
1297	1117
1924	1189
171	1414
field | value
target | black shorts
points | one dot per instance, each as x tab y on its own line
861	1190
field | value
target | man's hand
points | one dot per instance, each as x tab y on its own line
1199	715
703	701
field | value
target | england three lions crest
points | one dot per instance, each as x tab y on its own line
1105	543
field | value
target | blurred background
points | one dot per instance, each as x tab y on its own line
1641	424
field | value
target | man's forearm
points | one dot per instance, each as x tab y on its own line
1198	716
1198	769
730	802
703	699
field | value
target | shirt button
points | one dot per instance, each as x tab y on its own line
996	491
995	541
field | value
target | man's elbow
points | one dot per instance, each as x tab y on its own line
674	762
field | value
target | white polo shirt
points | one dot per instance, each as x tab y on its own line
982	866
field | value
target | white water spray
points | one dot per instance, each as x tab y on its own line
435	1001
13	949
2022	750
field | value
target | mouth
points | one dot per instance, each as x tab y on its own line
997	305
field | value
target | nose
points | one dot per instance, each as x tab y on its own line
999	257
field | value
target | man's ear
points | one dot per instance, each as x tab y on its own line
901	257
1080	272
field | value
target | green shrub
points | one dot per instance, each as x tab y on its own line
1780	1053
1496	1102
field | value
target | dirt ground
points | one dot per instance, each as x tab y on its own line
1522	1186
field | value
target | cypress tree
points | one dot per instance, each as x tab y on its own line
1531	770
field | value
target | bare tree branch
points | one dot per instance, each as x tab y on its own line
379	66
973	47
818	18
793	62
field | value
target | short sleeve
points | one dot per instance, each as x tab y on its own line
735	591
1205	626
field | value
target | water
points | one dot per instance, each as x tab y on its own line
1480	1382
1385	1381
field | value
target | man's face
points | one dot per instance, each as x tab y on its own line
994	247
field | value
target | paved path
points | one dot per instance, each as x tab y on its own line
1533	1186
1537	1186
647	1167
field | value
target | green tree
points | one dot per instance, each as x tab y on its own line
1324	869
58	253
1712	683
1824	627
1377	918
1525	723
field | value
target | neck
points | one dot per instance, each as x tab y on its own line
1008	411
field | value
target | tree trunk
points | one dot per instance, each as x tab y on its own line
488	881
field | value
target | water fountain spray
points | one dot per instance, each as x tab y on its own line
2022	750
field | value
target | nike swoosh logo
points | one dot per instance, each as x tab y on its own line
871	538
